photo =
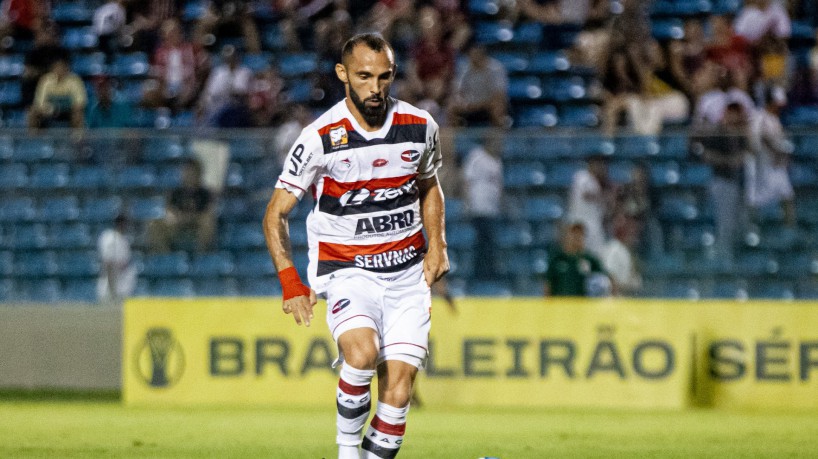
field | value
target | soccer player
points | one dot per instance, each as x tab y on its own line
371	164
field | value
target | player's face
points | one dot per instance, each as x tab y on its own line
368	75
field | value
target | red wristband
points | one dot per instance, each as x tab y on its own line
291	284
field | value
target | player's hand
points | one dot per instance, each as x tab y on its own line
301	308
435	265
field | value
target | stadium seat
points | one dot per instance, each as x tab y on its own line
679	207
71	12
75	263
755	264
212	265
460	236
43	290
10	93
173	288
8	290
544	208
511	235
79	38
6	261
636	146
681	289
49	176
12	65
525	89
17	209
695	175
35	264
59	209
242	236
546	234
561	174
260	286
461	263
146	209
89	178
592	144
548	62
536	116
455	210
492	32
15	175
133	177
247	148
730	289
803	175
169	177
79	290
216	287
232	209
488	288
89	65
130	65
483	7
273	39
527	35
513	62
565	89
254	263
297	65
578	116
668	29
28	237
772	290
525	175
32	150
163	148
165	265
70	236
100	209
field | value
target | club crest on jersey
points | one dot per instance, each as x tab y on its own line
338	136
410	156
380	162
340	305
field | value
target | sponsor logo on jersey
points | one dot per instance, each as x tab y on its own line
297	160
363	195
386	259
346	162
338	136
380	162
410	156
385	223
339	305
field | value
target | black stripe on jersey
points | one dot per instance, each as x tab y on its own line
352	413
399	133
376	265
364	204
380	451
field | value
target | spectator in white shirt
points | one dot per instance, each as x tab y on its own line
589	201
760	18
228	82
117	274
108	22
619	259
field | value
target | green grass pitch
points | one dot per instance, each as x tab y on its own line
106	429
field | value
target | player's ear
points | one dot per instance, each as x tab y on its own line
341	72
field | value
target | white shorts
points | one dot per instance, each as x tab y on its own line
396	305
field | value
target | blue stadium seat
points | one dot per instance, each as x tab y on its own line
17	209
460	236
12	65
298	233
665	173
70	236
59	209
679	207
79	290
254	263
756	264
100	209
799	265
13	118
773	290
492	32
536	116
566	89
801	116
483	7
77	263
681	289
71	12
546	234
35	264
212	265
514	62
548	62
79	38
730	289
668	29
579	116
146	209
193	10
28	237
272	38
130	65
163	148
803	175
455	210
11	93
525	175
233	209
6	261
15	175
461	263
49	176
32	150
172	264
235	176
258	62
297	65
247	148
510	235
527	34
299	90
173	288
88	65
695	175
8	290
88	178
170	177
132	177
525	89
43	290
673	146
544	208
636	146
216	287
260	286
242	236
806	146
592	144
561	174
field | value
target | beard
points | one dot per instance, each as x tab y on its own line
373	115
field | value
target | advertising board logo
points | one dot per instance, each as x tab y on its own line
160	361
340	305
410	155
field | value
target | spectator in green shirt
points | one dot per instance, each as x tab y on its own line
572	270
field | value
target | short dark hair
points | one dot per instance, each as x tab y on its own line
373	41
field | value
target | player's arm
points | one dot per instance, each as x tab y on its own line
432	210
298	298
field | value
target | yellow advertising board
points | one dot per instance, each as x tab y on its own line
511	352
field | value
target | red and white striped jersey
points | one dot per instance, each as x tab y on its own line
367	208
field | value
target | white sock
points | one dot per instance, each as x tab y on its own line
353	402
384	437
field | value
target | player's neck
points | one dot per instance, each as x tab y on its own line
362	121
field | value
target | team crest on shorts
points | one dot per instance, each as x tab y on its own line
338	136
340	305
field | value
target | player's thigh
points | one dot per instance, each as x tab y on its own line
360	347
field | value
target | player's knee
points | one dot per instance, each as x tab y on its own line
397	395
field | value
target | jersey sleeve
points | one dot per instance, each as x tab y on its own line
303	163
432	157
